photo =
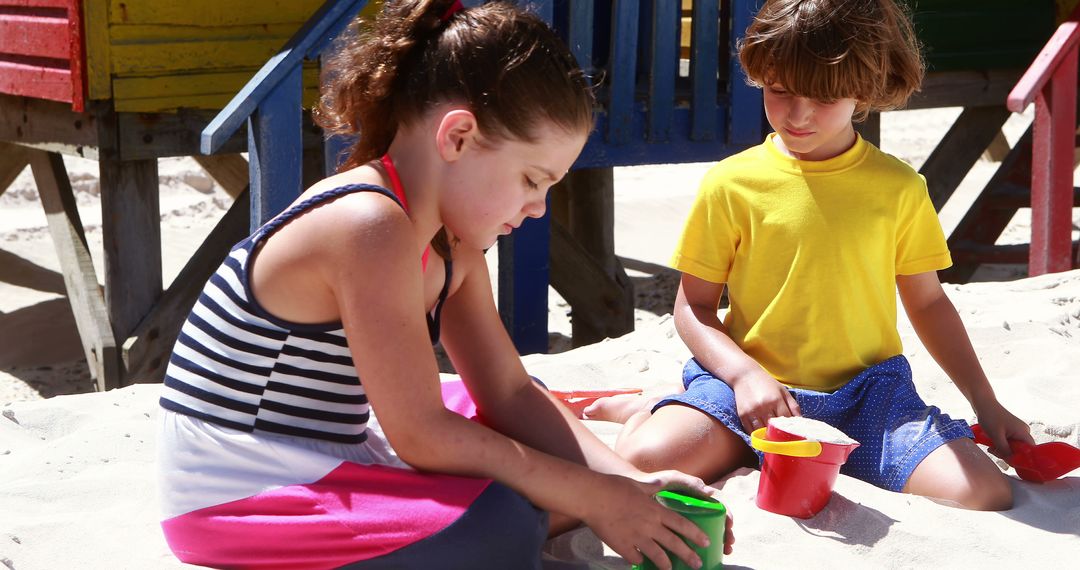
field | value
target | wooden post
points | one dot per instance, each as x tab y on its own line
131	231
275	149
1051	182
80	280
523	284
584	268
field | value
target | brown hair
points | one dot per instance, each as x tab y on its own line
831	49
502	63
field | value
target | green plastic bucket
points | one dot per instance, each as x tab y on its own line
710	515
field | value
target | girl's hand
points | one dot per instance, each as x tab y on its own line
760	397
624	514
1000	425
688	485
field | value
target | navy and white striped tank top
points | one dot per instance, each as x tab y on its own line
236	365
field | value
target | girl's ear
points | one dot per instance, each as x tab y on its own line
457	131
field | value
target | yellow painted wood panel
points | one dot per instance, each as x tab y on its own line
149	34
210	12
96	36
195	83
144	59
205	101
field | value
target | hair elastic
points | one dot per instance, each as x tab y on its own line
453	9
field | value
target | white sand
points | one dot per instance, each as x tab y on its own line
811	430
76	484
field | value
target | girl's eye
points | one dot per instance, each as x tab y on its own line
531	184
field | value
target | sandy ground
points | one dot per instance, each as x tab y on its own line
76	468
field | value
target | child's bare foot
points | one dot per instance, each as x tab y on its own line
619	408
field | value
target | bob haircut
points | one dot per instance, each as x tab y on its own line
832	49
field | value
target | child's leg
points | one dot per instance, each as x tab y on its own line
693	431
685	438
961	473
907	445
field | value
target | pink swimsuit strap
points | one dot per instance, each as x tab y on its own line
399	191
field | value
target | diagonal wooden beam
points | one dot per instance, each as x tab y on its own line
229	170
13	159
970	135
80	280
146	352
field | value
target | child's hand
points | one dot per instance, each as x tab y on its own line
625	515
760	397
1000	425
688	485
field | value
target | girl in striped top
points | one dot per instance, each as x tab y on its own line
304	424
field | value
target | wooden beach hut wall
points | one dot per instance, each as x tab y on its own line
127	82
144	55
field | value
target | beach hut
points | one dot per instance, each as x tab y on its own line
127	82
130	81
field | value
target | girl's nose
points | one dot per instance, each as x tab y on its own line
536	208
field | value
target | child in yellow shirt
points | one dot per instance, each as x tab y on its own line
813	232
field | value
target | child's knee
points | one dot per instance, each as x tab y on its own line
645	451
992	494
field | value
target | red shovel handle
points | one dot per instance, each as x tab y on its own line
1015	446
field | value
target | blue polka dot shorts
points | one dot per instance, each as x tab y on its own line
879	408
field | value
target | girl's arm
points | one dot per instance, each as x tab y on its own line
507	398
758	396
941	331
377	282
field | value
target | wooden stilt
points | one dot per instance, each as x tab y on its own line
84	293
131	230
584	268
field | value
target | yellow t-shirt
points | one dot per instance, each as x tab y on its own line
810	251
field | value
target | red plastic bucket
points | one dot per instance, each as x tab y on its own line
797	475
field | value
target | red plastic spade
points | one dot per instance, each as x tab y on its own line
578	400
1038	463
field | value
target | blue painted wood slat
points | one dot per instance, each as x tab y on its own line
680	149
524	275
313	32
664	68
524	265
275	148
704	69
580	36
623	70
747	109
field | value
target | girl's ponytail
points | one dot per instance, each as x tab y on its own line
368	71
503	64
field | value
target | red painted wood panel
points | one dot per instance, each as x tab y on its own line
38	34
35	80
37	3
41	52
